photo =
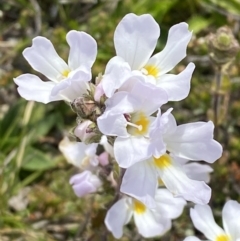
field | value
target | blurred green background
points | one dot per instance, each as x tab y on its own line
36	201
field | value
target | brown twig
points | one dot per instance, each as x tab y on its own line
218	79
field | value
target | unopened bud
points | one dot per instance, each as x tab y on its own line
87	108
223	46
85	183
85	130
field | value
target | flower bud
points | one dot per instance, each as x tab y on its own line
223	46
86	108
85	130
85	183
99	92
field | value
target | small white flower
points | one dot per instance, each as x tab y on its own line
128	117
149	222
135	39
203	220
67	81
79	154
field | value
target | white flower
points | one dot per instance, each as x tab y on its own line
67	81
79	154
128	116
203	220
85	183
192	141
135	39
149	222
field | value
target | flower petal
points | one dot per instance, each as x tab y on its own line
43	58
149	97
149	224
117	72
194	141
175	49
117	216
83	49
203	220
30	87
140	182
231	219
135	39
167	205
131	150
177	86
73	87
85	183
179	184
197	171
112	124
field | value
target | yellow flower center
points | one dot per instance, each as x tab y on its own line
163	161
65	73
152	70
139	124
139	207
223	237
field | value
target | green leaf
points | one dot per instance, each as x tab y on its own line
35	160
198	23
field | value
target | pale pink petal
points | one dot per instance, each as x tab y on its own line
177	86
231	219
117	216
44	59
135	39
131	150
99	92
103	158
85	183
30	87
167	205
140	182
83	49
203	220
175	49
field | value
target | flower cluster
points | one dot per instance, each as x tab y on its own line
120	122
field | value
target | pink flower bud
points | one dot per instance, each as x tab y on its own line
83	131
84	183
99	92
103	159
